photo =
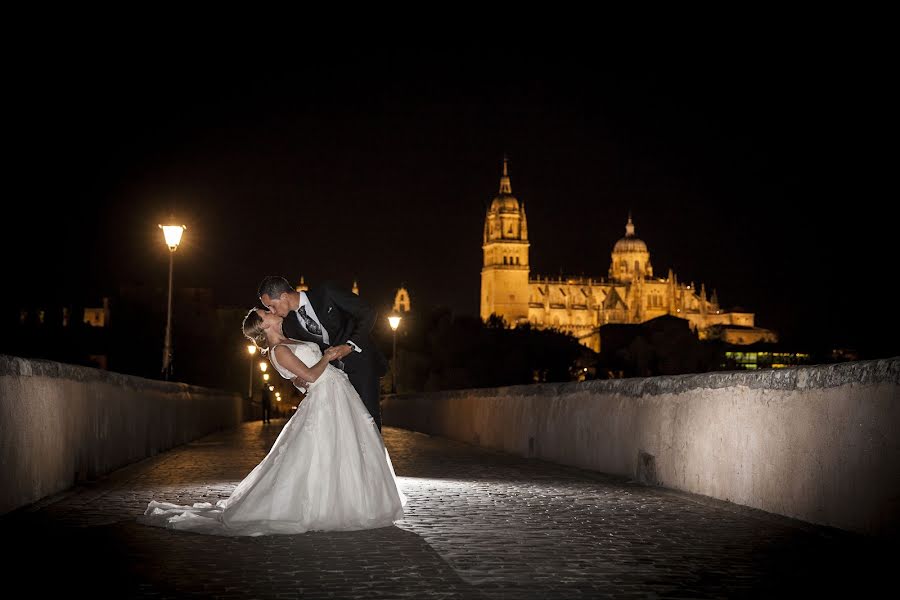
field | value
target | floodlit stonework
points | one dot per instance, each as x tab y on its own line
630	293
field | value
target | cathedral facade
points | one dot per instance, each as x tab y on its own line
630	293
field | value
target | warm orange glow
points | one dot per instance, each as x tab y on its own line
251	348
394	321
263	365
265	376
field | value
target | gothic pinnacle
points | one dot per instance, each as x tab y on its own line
505	186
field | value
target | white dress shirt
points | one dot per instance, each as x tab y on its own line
310	311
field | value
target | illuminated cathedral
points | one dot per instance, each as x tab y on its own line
630	293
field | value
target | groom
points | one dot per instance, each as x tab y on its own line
331	316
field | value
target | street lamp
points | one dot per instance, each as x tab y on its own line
265	377
251	349
172	234
263	365
394	320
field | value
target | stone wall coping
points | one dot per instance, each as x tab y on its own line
867	372
14	366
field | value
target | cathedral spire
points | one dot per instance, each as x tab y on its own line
505	187
629	227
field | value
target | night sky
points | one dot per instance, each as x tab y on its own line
752	171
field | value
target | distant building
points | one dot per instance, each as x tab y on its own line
581	305
762	356
95	317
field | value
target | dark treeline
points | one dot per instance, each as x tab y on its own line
442	351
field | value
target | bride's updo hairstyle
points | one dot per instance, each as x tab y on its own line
253	329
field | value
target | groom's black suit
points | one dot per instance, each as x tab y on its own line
345	316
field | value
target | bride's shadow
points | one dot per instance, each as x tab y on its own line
386	561
129	560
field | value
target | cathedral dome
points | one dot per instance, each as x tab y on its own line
629	243
505	201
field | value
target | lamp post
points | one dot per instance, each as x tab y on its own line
172	234
394	320
251	349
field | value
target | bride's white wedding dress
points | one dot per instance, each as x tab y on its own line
328	471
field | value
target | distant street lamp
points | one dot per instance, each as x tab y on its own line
265	377
263	365
394	320
251	349
172	234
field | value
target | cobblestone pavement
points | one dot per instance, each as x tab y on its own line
479	524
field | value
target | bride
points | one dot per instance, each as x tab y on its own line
328	470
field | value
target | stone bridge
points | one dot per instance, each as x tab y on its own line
482	522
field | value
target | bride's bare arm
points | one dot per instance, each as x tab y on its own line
289	361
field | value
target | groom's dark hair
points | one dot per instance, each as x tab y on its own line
273	286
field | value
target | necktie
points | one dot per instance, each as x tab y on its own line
311	325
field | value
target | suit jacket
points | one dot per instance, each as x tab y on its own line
346	317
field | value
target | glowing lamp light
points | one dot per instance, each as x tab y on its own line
272	389
251	348
263	365
395	322
173	235
265	376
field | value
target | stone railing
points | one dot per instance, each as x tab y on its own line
819	443
61	423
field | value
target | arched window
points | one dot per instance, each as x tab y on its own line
504	260
517	260
637	267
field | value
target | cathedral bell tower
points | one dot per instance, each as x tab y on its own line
504	276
